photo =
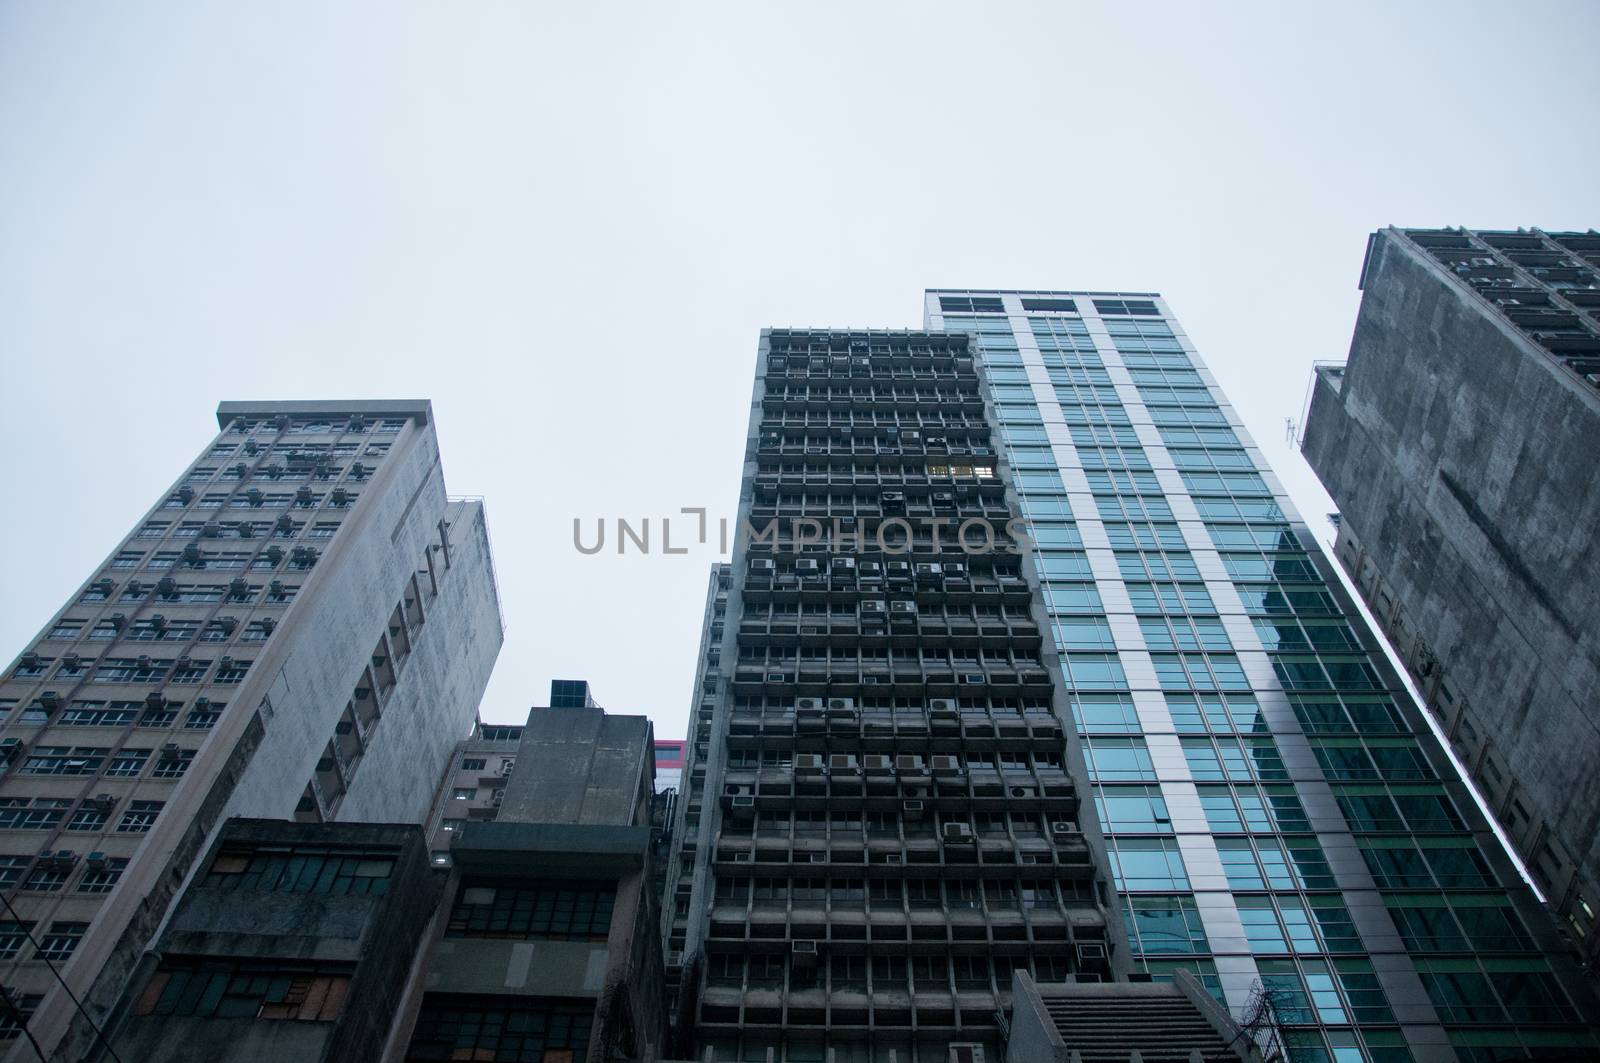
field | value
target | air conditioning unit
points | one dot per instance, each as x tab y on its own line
806	566
743	802
903	608
804	953
844	565
894	498
50	699
808	706
928	571
96	860
808	763
1024	791
841	704
943	764
955	570
103	801
956	834
908	764
873	607
942	707
912	809
59	858
842	763
171	750
155	701
877	764
816	858
870	570
744	857
898	569
944	498
762	565
1063	828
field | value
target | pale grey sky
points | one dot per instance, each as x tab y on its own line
566	224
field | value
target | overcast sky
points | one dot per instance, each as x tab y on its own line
566	225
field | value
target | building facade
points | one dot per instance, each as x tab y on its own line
294	945
678	874
301	628
546	945
1458	442
1278	813
882	815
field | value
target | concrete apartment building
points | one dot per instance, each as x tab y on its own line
301	629
1459	443
1277	810
547	937
881	820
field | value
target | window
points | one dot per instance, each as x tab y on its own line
172	765
140	817
1164	924
1105	714
11	869
497	1028
1133	810
128	763
561	910
102	879
1123	307
244	990
231	671
64	760
1148	864
1094	671
41	813
301	870
59	943
1118	760
87	819
13	936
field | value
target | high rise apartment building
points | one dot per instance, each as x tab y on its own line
1459	443
1275	806
888	751
301	628
881	821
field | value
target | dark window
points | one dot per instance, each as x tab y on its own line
21	1004
543	1032
561	910
974	305
1063	305
301	870
244	990
1136	307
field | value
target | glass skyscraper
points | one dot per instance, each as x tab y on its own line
1276	810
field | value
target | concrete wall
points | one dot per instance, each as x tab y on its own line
581	766
1462	460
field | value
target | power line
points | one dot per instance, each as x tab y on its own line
47	962
22	1020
